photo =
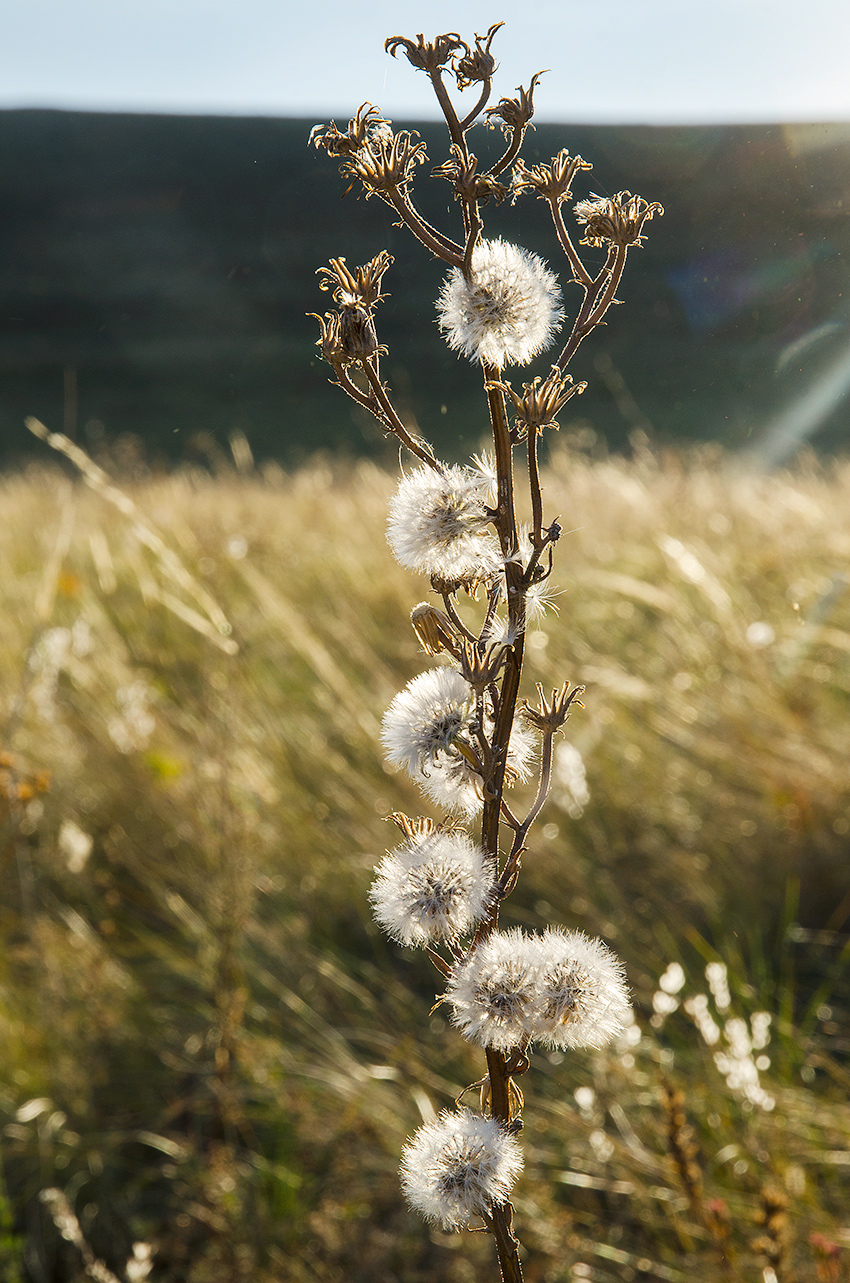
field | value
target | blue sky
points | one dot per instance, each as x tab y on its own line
678	61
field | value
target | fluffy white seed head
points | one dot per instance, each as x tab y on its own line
561	988
494	993
425	729
419	733
458	1167
507	313
438	524
435	886
582	995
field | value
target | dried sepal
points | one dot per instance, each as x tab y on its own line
481	668
419	827
477	64
462	172
514	113
615	220
428	55
550	715
552	182
541	400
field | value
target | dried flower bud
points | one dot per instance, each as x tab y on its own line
469	185
428	55
551	182
435	630
616	219
514	113
550	715
477	64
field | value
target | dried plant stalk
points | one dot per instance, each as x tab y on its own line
460	730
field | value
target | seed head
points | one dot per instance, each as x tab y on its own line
459	1166
507	312
616	220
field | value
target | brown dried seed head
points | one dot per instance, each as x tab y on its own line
550	715
552	182
617	220
514	113
541	400
477	64
428	55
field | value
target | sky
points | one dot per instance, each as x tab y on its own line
611	61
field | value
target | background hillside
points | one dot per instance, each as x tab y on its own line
155	273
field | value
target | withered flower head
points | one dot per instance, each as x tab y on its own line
428	55
469	185
331	342
366	120
480	670
385	162
541	400
551	182
478	63
616	219
550	715
360	288
349	335
514	113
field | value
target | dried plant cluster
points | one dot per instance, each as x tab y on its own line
461	730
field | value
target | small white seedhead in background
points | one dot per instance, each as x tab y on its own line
458	1167
508	312
718	982
438	524
493	994
435	886
583	998
570	780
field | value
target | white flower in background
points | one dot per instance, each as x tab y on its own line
582	995
718	982
507	313
570	780
697	1009
426	730
438	524
435	886
47	659
459	1166
493	994
75	844
131	729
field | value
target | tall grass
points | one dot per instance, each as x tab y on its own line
206	1044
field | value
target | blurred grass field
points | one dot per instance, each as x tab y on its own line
208	1048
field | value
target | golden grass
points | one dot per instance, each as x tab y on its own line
224	1054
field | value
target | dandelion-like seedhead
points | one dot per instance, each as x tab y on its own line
509	310
494	993
439	524
583	998
459	1166
561	988
428	731
435	886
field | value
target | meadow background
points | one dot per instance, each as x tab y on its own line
210	1057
